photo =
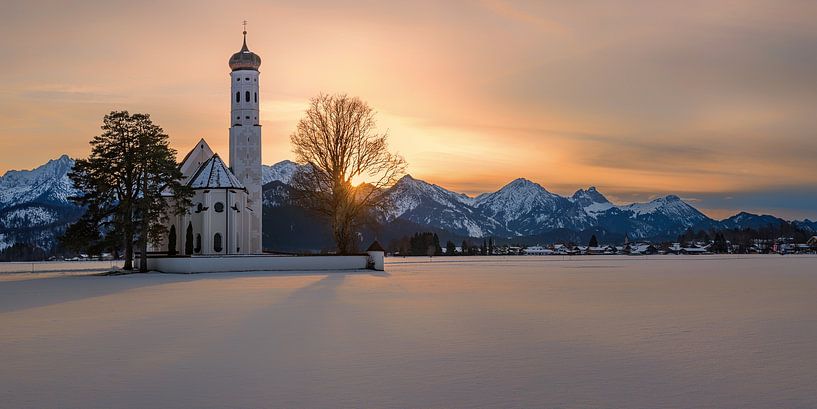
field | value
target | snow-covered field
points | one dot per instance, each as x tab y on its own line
656	332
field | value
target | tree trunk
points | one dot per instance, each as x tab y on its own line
128	243
143	249
343	236
144	225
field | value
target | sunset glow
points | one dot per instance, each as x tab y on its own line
714	102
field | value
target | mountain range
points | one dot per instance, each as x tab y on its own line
35	208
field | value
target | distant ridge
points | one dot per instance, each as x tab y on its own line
35	208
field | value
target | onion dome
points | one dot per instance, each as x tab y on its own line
245	59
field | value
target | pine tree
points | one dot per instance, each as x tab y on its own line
594	242
464	249
450	248
126	178
188	239
490	246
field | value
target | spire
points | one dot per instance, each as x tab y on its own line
245	59
244	47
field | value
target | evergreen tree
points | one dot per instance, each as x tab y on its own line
126	178
450	248
594	242
188	239
484	249
22	252
490	246
465	249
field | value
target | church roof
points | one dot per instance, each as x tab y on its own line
376	247
214	174
245	59
197	156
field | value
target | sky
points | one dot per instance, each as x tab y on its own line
713	101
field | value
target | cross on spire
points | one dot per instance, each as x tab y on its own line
245	27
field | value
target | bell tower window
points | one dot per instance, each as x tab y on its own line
247	96
238	97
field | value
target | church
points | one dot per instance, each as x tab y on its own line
225	216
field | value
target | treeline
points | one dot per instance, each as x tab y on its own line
428	244
743	239
23	252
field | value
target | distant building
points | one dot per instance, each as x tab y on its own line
538	251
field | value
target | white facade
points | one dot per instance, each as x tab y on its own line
225	216
218	219
245	135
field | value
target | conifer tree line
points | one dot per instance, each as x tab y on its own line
428	244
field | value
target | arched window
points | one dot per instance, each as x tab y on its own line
256	97
238	96
247	96
198	244
238	79
217	242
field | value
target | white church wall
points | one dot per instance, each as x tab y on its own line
215	264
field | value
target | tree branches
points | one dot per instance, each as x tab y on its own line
339	141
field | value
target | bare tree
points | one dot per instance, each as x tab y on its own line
338	140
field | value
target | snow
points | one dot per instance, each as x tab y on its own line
214	174
27	217
282	171
47	182
488	332
516	198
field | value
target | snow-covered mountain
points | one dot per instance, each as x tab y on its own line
592	201
665	216
47	183
745	220
525	208
34	204
34	208
282	171
807	225
428	204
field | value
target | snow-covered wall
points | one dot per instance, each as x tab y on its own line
218	264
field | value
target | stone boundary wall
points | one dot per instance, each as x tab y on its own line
215	264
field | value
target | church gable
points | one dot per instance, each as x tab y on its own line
197	156
213	174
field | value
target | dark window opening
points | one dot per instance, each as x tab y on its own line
256	97
238	97
238	79
217	243
247	96
198	244
218	207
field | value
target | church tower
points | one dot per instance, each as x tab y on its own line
245	137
